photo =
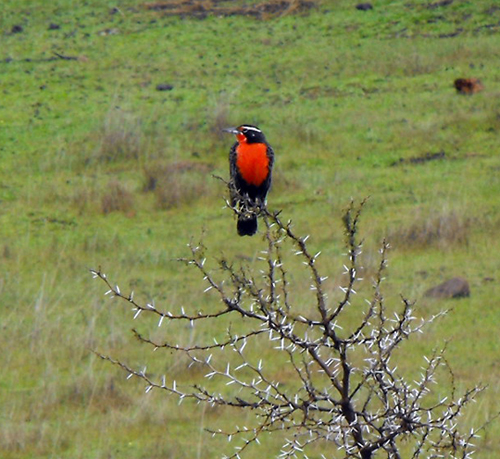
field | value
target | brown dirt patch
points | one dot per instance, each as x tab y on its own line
203	8
421	159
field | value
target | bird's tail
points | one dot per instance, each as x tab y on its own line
247	224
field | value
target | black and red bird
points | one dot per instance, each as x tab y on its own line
250	165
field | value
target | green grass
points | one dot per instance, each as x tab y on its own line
341	95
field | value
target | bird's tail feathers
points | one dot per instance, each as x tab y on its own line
247	224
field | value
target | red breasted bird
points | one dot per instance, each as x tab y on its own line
250	165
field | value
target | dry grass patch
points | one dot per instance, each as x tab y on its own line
283	185
17	437
84	199
100	396
121	137
202	8
220	119
441	229
117	199
114	197
178	183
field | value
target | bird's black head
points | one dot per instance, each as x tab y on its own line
248	133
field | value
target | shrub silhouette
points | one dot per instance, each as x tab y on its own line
342	385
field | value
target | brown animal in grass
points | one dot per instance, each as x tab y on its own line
468	85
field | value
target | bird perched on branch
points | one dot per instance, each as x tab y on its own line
250	165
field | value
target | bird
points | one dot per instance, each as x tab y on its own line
251	161
468	85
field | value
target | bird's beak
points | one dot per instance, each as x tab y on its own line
231	130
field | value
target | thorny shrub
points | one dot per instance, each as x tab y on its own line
342	386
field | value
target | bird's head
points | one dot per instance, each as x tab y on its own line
246	133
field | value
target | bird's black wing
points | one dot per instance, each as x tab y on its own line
232	161
233	172
267	183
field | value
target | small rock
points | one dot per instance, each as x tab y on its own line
364	6
457	287
106	32
17	28
164	87
53	26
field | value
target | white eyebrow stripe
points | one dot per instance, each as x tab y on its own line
251	128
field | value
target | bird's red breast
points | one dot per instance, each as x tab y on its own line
252	162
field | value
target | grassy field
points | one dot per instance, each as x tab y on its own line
100	168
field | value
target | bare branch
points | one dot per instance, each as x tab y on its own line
344	386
